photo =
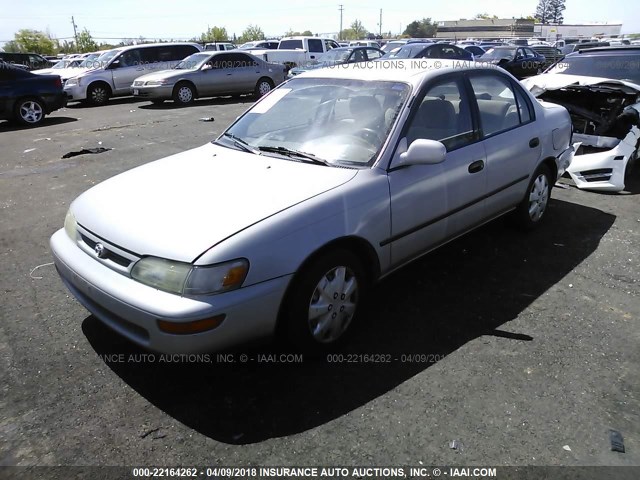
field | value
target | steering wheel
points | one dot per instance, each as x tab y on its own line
370	135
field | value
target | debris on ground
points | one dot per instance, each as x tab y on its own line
35	268
29	150
455	445
149	432
617	442
567	448
207	119
84	151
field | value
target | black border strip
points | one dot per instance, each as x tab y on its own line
452	212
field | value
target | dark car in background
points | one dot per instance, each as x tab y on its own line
428	50
26	97
32	61
574	47
475	50
340	56
518	61
551	54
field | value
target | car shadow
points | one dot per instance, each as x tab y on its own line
469	288
111	101
47	122
170	104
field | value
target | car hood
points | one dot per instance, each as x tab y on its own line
165	74
180	206
539	84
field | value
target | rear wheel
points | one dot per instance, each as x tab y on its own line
29	111
264	86
531	210
184	93
98	94
323	301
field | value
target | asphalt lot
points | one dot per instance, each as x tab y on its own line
527	344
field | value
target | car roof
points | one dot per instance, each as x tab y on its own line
618	49
403	70
166	44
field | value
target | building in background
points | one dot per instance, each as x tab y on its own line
486	28
522	28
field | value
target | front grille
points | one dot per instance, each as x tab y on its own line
110	254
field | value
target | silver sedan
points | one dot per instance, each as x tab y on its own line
327	184
209	74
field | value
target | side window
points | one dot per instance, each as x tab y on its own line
529	53
443	115
240	60
130	58
525	109
150	55
431	52
372	53
315	45
520	54
496	103
222	61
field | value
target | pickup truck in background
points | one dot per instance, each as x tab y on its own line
296	51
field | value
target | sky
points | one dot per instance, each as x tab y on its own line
117	19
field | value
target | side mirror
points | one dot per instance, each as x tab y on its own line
423	152
114	64
206	66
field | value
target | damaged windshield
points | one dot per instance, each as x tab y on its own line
618	67
321	120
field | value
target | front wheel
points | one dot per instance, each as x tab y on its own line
98	94
29	111
184	94
323	301
531	210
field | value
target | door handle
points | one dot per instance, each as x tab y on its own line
228	74
476	166
534	142
312	56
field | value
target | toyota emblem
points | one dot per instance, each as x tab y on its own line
101	252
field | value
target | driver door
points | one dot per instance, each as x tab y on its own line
433	203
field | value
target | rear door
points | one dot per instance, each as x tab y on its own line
126	68
510	137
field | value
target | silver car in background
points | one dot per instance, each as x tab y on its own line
327	184
209	74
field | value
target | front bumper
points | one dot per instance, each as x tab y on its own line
133	309
160	92
605	170
75	92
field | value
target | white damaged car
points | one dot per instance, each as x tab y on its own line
601	90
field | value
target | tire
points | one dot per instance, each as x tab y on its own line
264	86
29	111
531	211
98	94
184	93
317	323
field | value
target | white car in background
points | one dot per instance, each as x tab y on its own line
600	88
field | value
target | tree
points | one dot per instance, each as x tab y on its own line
358	30
550	11
34	41
251	33
424	28
291	33
86	43
214	34
485	16
12	47
556	7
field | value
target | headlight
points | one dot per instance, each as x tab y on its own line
186	279
155	83
71	226
72	81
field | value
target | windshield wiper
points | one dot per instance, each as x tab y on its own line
294	153
241	144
